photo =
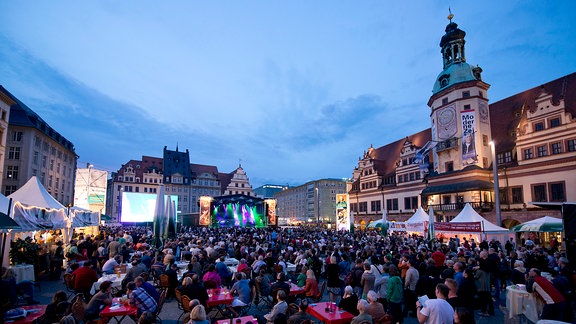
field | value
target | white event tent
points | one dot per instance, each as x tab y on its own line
417	222
489	230
35	209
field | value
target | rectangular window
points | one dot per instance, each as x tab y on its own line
447	200
12	172
538	126
465	94
449	166
528	154
9	190
507	157
500	158
504	195
485	140
375	205
557	148
444	101
557	191
517	195
407	203
392	204
555	122
571	145
35	158
51	165
13	153
539	192
363	206
542	151
16	136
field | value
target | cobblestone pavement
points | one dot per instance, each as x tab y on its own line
171	312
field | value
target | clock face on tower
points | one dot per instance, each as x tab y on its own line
446	122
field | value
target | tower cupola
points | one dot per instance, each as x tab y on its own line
452	44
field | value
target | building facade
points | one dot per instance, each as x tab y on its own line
313	203
33	148
268	191
531	134
179	177
237	183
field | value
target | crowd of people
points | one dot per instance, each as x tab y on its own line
372	276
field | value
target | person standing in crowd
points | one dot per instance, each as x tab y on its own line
57	262
394	295
368	279
483	283
410	282
436	310
333	279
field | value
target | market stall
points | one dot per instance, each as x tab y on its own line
470	224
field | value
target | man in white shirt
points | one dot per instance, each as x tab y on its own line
437	311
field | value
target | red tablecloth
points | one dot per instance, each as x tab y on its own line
219	296
295	290
318	310
34	312
243	320
118	309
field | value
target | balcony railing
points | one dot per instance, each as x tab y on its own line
483	206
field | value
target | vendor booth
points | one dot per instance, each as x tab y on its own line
35	211
546	229
418	222
468	223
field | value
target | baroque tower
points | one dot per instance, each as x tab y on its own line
459	108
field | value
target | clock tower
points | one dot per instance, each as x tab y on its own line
459	108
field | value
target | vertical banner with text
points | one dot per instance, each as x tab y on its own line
271	212
469	155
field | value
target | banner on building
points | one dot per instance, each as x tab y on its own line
271	212
434	152
469	155
464	227
342	216
205	217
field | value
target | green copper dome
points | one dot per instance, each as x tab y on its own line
453	74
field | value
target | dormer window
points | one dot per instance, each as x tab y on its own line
539	127
555	122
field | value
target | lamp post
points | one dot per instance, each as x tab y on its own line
496	183
88	184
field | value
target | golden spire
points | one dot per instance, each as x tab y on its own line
450	16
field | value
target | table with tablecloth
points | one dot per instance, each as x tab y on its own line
521	302
116	282
118	311
23	272
334	315
33	312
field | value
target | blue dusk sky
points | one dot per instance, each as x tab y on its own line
294	90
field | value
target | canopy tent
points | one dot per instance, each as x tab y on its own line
542	224
376	224
469	216
35	209
33	193
83	217
417	222
419	216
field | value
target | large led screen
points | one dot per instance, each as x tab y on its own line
139	207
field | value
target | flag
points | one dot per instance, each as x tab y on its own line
421	153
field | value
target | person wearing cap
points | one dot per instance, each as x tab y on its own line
102	298
555	302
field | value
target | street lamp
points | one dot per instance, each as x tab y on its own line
496	183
